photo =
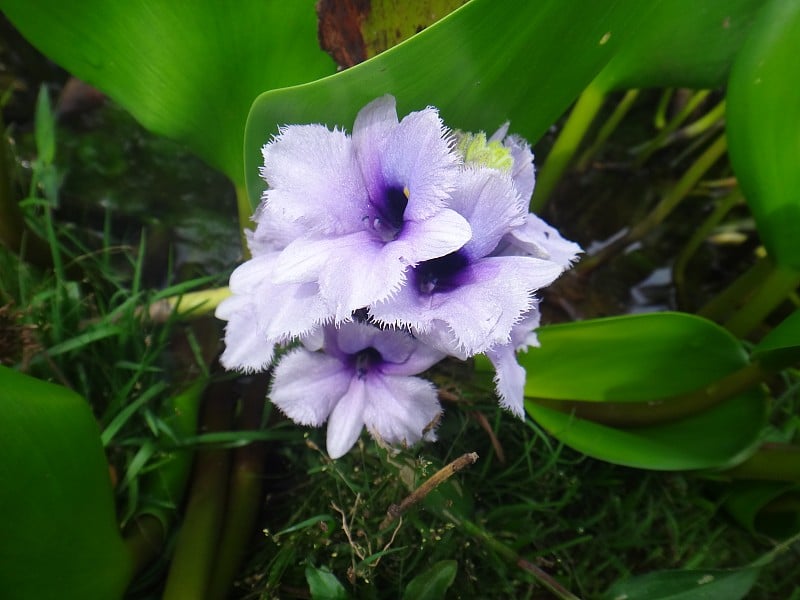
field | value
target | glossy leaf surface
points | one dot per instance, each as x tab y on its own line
58	536
433	583
630	358
781	346
683	43
769	508
484	64
638	359
188	71
686	585
324	585
763	122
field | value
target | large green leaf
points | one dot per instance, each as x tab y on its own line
630	358
716	438
685	43
487	62
763	124
58	533
188	71
640	359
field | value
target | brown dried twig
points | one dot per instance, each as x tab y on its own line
442	475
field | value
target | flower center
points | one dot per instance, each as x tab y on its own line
441	274
387	220
366	359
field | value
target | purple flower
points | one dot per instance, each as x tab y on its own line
426	231
509	376
261	313
371	205
363	378
468	301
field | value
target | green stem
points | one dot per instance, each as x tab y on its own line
144	538
772	462
195	550
14	232
772	291
685	184
582	115
245	493
662	210
511	556
658	142
245	210
660	117
724	303
191	304
162	490
664	410
608	128
701	125
724	206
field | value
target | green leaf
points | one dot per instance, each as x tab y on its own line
58	536
765	507
672	50
45	128
763	122
781	346
324	585
188	71
354	32
433	583
481	65
686	585
720	437
642	359
630	358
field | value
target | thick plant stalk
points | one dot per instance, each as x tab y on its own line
772	462
196	548
245	493
146	534
570	138
188	305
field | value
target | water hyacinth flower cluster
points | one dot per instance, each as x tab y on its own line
377	254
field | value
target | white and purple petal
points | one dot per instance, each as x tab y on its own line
475	306
489	202
314	177
537	238
509	378
347	418
307	385
247	348
399	409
